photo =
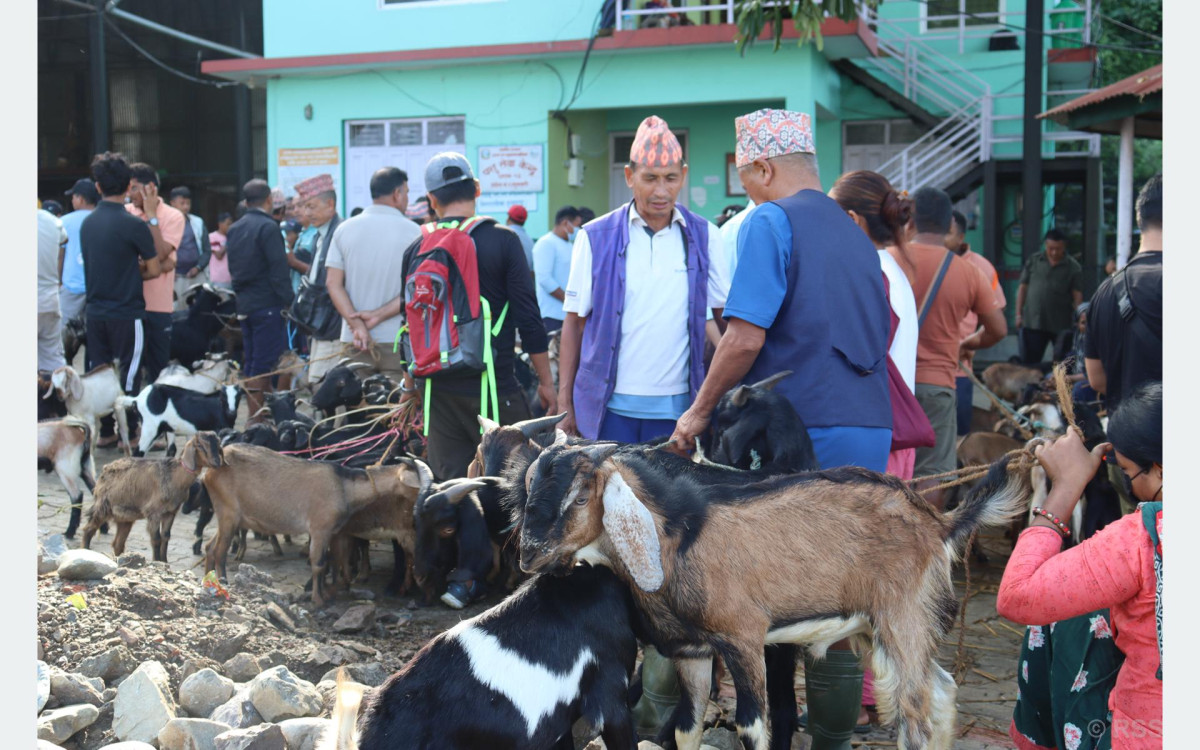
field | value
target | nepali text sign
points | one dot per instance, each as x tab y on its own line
511	169
298	164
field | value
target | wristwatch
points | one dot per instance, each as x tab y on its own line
153	222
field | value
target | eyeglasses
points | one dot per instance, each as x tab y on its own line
1128	481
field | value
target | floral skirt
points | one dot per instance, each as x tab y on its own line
1066	672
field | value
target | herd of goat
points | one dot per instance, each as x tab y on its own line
748	554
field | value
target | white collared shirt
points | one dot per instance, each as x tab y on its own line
653	359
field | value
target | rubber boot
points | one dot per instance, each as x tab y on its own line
834	689
660	693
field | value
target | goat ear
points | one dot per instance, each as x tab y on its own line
630	527
213	450
772	381
487	424
74	385
740	395
411	477
188	459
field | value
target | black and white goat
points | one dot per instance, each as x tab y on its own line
65	447
516	676
170	409
206	376
810	559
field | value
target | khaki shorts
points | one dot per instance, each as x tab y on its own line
388	362
941	406
322	357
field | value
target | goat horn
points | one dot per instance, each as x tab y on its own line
600	451
740	394
461	490
770	382
352	366
424	472
487	424
531	427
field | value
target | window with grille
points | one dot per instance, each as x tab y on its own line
975	13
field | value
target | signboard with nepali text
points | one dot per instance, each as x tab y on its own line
511	169
298	164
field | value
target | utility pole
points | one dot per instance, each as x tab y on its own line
98	68
241	116
1031	140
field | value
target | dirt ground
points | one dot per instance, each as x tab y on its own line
990	645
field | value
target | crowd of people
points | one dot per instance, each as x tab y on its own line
871	297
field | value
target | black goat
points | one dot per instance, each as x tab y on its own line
340	387
754	427
516	676
50	402
74	336
196	330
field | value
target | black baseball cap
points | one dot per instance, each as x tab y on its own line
86	189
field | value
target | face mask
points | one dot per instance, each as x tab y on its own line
571	234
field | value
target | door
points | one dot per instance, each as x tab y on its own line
619	146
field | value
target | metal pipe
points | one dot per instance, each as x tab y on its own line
1125	194
98	72
125	15
1031	140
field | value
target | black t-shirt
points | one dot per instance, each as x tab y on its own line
503	278
1130	350
112	240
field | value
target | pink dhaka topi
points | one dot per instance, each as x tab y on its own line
306	189
768	133
655	145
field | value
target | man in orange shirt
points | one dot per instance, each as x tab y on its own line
947	288
166	226
956	243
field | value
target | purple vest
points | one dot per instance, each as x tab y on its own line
597	374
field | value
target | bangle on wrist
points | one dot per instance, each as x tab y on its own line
1058	524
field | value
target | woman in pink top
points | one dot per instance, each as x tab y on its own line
218	266
1119	568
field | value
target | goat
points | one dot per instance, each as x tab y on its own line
170	409
65	447
209	375
340	387
95	395
517	676
755	427
130	489
807	558
1009	381
50	406
282	406
74	336
195	330
389	517
245	483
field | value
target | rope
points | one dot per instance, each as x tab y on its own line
296	366
960	663
1006	411
1066	404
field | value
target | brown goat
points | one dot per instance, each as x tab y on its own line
130	489
1008	381
807	558
261	490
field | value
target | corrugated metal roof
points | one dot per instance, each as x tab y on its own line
1141	85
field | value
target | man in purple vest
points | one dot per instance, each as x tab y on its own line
807	295
643	280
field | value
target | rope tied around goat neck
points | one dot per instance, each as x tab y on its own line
1021	459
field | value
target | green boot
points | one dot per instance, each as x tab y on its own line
660	693
834	689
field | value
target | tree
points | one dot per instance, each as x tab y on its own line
807	15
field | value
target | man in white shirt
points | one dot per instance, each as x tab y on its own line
51	238
637	363
552	266
366	267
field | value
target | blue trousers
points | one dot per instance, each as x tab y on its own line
624	429
867	447
966	392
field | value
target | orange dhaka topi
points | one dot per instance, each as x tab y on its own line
655	145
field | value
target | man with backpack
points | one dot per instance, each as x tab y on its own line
467	288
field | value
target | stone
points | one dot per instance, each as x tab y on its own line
111	664
248	575
304	734
242	667
261	737
721	739
192	666
278	694
132	560
59	725
372	674
144	704
51	550
226	648
238	712
329	655
84	565
203	692
129	746
43	684
190	734
280	617
648	745
71	688
359	617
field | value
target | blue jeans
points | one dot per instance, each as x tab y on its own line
624	429
867	447
263	340
966	392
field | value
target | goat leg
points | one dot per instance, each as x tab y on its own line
695	678
781	692
123	528
749	679
76	516
399	583
275	546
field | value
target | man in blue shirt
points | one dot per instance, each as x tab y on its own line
807	295
552	266
72	297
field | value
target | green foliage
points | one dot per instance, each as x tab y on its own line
807	15
1146	15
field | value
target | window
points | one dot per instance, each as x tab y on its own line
975	13
406	143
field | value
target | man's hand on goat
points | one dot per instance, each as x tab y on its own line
568	425
689	426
